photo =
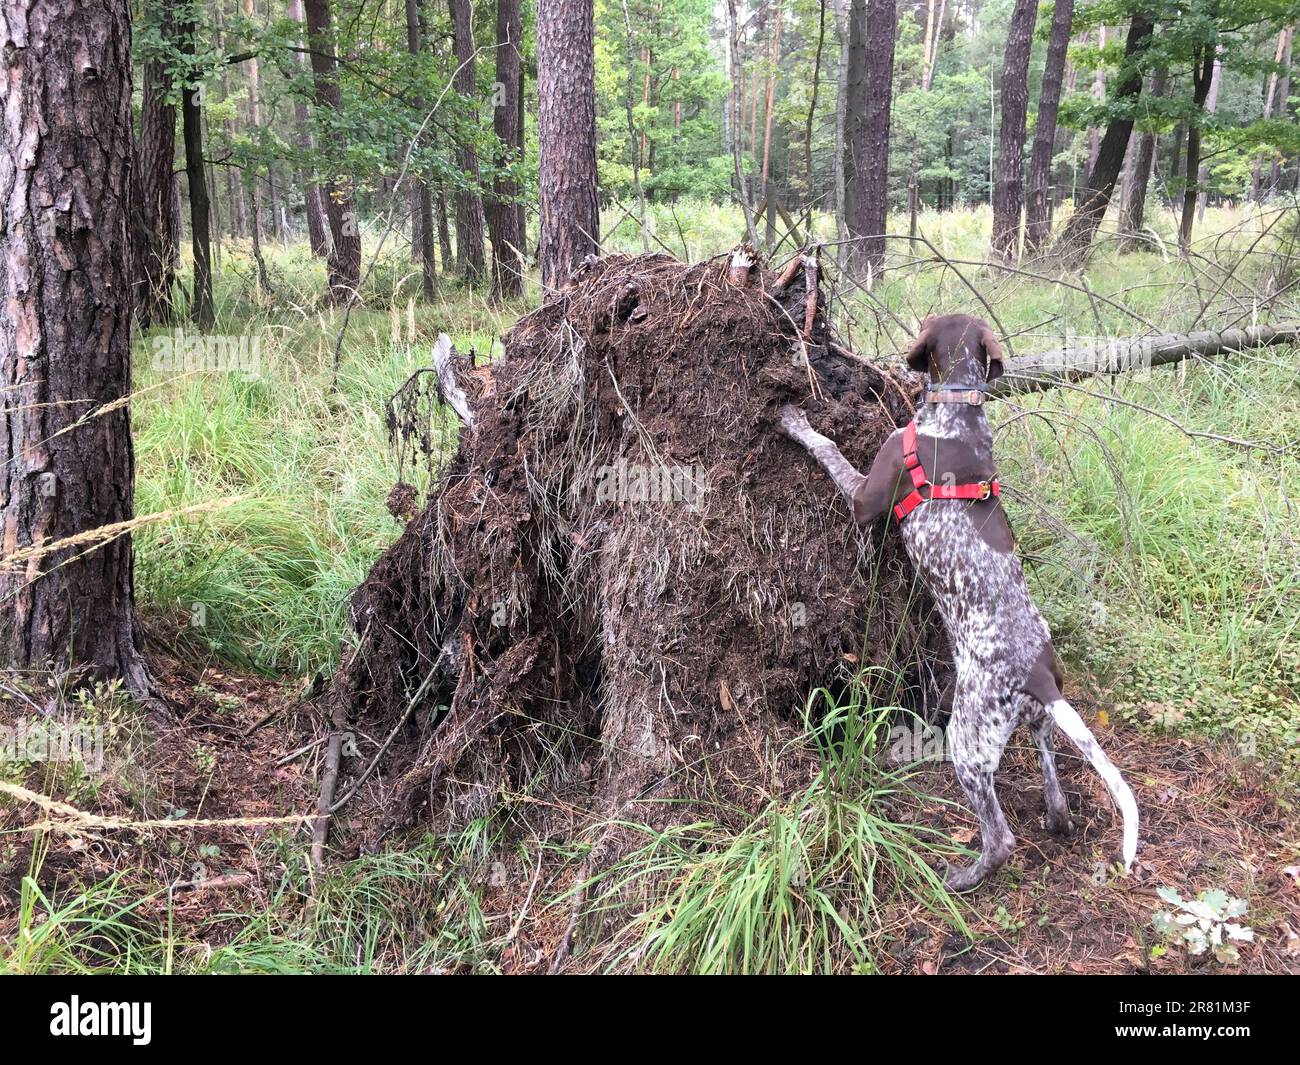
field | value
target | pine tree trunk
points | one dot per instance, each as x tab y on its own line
503	213
1202	171
566	124
314	205
1099	185
470	256
1202	78
66	460
872	24
1038	209
1270	94
1135	202
1008	188
156	236
251	175
1283	107
421	197
201	308
344	264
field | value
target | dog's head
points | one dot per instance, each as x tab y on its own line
956	349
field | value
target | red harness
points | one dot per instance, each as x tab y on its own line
980	490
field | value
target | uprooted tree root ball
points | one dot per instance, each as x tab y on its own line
627	581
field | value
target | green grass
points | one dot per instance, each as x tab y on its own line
806	886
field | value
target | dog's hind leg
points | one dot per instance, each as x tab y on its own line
977	734
1044	728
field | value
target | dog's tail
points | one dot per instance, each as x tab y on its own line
1069	722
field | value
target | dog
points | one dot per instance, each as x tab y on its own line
938	478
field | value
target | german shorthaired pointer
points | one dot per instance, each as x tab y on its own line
939	478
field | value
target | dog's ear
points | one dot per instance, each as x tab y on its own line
918	355
992	353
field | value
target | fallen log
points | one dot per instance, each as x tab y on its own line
1048	369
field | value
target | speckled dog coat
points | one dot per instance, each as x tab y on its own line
1006	668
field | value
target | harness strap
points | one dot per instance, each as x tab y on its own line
980	490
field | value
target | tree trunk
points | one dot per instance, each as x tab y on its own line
1100	182
1008	188
1270	95
1133	217
313	203
421	197
1203	65
155	234
201	308
503	217
344	263
769	105
929	58
870	83
1038	209
444	226
1283	96
841	99
737	124
566	126
251	177
1202	171
470	256
66	461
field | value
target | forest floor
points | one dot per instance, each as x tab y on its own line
1164	557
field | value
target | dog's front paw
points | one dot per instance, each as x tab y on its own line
792	420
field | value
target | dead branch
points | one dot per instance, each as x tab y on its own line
1048	369
448	388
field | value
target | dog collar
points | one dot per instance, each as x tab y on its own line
973	395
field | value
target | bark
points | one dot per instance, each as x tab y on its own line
1100	182
566	124
66	461
1202	171
504	218
634	150
1270	95
470	256
344	263
769	193
1038	209
812	115
737	124
866	135
250	177
155	233
933	25
421	197
1008	187
841	90
1203	66
1135	202
1035	373
314	204
201	308
1283	95
444	225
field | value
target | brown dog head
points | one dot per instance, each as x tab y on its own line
957	350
